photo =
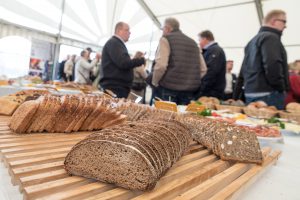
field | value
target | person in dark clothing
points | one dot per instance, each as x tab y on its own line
264	70
179	65
61	74
230	81
213	83
116	64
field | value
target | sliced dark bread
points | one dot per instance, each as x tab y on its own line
48	109
39	113
51	116
65	117
21	118
239	144
118	136
112	162
122	137
87	110
76	115
60	113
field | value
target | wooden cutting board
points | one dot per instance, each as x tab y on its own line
35	163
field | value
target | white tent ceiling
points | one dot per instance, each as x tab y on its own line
233	22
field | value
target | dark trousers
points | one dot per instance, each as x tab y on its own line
274	99
227	96
121	92
179	97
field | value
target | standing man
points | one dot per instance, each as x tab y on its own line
213	83
179	65
83	68
68	69
265	68
116	65
230	81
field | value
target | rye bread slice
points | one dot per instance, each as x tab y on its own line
65	117
118	136
69	114
111	162
121	119
43	118
88	124
160	142
21	118
146	141
91	117
76	115
165	133
57	118
240	145
39	113
154	144
86	111
51	116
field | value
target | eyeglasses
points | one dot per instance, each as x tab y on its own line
281	20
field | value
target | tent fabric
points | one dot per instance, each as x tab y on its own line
233	22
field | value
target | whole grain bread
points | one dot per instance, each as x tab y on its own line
111	162
21	118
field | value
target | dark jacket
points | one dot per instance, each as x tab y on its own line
214	81
183	70
116	65
265	68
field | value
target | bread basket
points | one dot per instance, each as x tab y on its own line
236	109
291	116
259	113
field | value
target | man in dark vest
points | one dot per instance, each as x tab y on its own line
178	67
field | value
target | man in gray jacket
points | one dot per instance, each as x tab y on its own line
179	65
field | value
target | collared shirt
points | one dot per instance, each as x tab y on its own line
120	38
228	88
209	44
162	60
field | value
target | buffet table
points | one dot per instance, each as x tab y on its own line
275	182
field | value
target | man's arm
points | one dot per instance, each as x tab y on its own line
203	67
120	57
273	62
161	60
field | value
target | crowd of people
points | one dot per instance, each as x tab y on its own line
183	70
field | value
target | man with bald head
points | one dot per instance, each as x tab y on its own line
116	64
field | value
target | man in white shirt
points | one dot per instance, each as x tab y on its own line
230	80
83	68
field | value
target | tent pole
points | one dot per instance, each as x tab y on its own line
58	38
150	13
259	10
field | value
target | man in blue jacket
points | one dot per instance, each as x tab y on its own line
213	83
116	64
264	70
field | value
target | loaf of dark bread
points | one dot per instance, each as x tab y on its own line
112	162
66	113
132	155
228	141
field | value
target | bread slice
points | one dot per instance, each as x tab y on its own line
52	115
67	116
36	118
21	118
111	162
87	110
77	115
122	137
239	144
